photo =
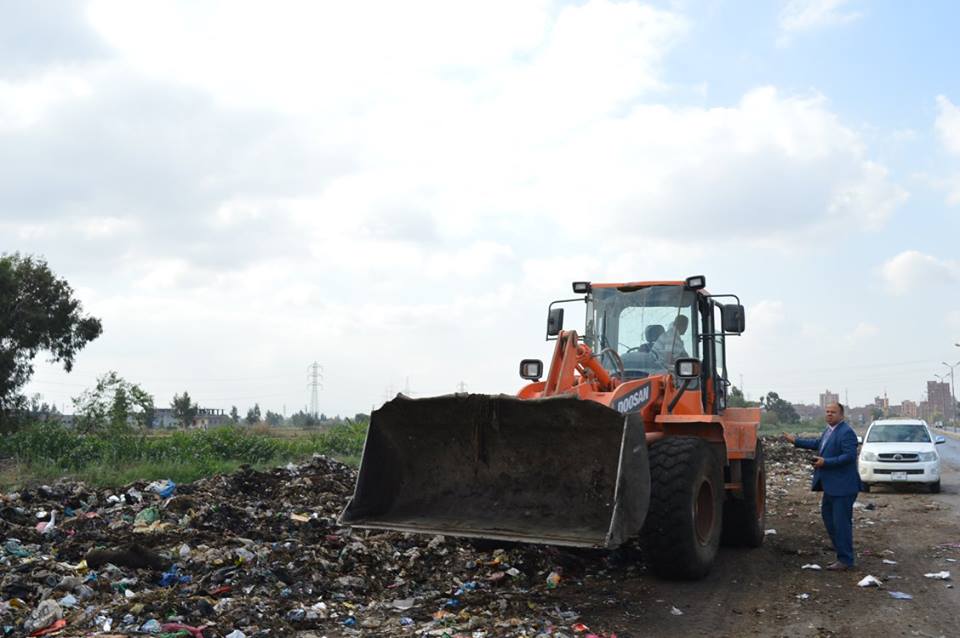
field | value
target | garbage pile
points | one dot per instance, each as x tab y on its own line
259	553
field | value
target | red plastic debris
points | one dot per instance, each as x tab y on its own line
46	631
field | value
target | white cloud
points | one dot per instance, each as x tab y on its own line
911	270
301	181
24	103
948	124
766	315
863	331
808	15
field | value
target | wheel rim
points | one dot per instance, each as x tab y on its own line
703	513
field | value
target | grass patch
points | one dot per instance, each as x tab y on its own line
44	452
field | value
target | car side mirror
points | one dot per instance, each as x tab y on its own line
554	322
859	439
732	317
939	440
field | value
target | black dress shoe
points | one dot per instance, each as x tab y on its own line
837	566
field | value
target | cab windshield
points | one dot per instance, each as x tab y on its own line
648	328
898	433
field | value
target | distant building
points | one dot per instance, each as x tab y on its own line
862	415
808	411
206	417
882	404
938	396
827	397
909	409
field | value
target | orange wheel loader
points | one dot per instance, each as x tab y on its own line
628	435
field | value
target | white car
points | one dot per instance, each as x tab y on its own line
900	451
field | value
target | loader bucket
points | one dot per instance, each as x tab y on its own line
559	471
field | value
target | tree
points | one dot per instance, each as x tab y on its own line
37	313
303	419
735	399
783	409
184	409
274	418
113	405
234	414
253	414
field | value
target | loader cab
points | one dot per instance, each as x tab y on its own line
648	326
651	325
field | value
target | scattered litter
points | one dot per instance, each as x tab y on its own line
944	575
887	561
47	527
47	613
553	580
803	596
403	603
899	595
152	626
870	581
260	552
812	566
164	489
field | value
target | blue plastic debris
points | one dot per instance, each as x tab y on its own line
172	577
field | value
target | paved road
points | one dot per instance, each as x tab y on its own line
949	451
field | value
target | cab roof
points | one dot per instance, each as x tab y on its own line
634	285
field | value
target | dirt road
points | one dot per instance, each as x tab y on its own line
765	592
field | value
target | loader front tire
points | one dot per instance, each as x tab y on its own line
744	519
682	532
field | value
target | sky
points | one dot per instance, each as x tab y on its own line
397	191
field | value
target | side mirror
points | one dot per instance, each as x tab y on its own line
687	368
939	440
531	369
732	317
554	322
859	439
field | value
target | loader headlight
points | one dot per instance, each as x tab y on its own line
581	287
696	282
531	369
687	368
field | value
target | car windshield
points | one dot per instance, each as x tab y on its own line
898	433
649	328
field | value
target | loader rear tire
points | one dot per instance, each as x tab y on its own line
744	519
682	532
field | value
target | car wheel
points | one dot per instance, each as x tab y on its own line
935	488
866	487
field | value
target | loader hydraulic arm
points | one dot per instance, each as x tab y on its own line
570	359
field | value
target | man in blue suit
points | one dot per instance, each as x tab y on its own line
835	474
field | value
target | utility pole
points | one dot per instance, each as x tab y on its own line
316	377
953	396
461	387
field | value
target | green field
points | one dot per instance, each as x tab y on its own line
44	452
